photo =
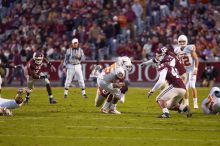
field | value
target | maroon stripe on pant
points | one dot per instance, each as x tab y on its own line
165	91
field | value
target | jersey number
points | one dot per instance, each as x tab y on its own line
110	68
185	60
174	73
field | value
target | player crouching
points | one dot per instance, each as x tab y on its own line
169	97
110	104
34	73
111	80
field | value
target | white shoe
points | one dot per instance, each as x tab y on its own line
196	106
114	111
104	111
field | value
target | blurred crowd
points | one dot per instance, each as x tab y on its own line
107	28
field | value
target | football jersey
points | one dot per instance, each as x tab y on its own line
186	57
32	66
112	73
178	65
172	76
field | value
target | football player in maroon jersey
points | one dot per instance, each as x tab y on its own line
171	96
33	73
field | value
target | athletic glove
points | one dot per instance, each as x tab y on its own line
149	93
43	76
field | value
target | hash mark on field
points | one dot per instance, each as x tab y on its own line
142	128
116	138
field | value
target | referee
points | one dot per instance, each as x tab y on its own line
72	61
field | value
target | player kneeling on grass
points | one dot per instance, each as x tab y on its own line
211	104
6	104
103	95
110	79
34	73
169	97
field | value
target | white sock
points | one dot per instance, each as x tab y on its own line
195	100
66	92
113	106
122	98
186	101
83	91
165	110
106	105
50	96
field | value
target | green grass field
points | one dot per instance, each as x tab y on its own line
76	121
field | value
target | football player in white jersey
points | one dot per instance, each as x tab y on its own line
211	104
111	79
7	104
187	55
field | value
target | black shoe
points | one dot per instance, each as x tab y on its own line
52	101
84	96
164	115
65	96
187	111
26	101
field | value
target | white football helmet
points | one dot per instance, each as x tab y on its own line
38	57
125	63
182	41
120	73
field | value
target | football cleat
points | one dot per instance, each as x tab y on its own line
114	111
164	115
65	96
196	106
84	96
104	111
187	111
52	101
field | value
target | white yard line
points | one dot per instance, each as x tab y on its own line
140	128
115	138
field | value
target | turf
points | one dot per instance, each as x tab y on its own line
76	121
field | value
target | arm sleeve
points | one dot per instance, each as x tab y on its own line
162	77
82	55
148	62
47	62
66	58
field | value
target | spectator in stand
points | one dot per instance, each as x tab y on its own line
18	71
33	23
208	76
138	10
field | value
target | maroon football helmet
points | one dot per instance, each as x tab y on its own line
38	57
